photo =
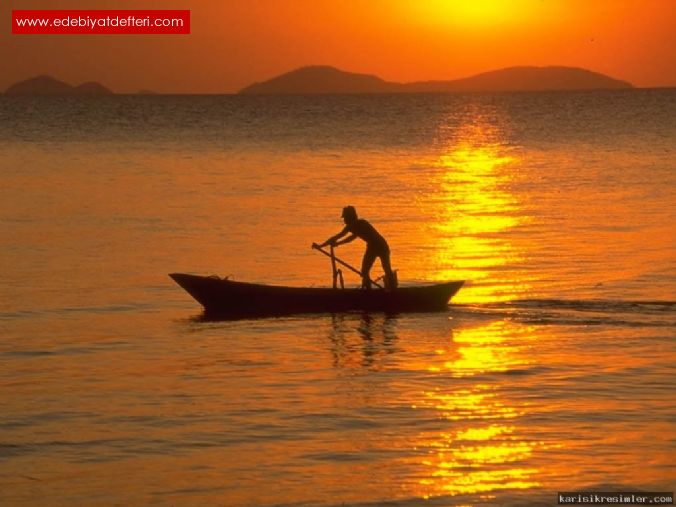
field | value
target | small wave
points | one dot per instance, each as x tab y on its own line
580	312
504	497
28	353
597	305
75	310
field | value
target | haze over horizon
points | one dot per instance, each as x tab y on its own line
236	44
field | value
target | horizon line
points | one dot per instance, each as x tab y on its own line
465	92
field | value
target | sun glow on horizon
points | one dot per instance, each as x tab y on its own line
241	42
474	15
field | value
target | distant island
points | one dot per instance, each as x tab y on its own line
320	79
48	85
323	79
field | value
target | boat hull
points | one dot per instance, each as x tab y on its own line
226	298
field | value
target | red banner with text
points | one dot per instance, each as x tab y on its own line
100	22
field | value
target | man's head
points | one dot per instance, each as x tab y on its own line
349	215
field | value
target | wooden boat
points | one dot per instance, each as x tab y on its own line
227	298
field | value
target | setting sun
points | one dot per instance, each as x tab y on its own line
477	14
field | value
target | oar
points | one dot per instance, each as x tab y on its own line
343	263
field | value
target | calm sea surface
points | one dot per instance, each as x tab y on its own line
552	370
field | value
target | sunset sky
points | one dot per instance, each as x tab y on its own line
237	42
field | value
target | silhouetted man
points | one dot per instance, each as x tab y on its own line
376	246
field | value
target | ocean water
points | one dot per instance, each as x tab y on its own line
552	370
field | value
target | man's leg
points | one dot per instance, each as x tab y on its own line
366	265
387	268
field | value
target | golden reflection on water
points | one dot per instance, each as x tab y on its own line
480	350
474	209
484	449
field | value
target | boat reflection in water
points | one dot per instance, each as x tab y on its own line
375	339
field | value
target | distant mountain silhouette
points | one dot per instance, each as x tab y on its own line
92	88
326	80
47	85
525	79
321	79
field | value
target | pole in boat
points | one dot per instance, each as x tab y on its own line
334	269
342	263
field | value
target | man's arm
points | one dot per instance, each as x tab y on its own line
352	237
333	240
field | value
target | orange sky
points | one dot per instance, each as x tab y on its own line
236	42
